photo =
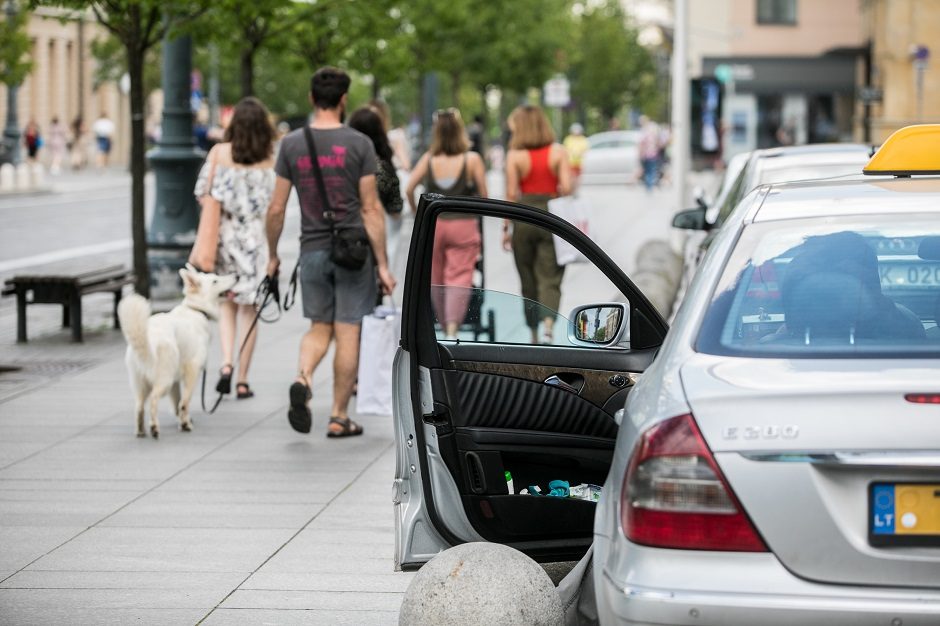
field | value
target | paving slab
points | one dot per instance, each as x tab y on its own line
166	549
21	545
56	613
145	513
306	617
320	600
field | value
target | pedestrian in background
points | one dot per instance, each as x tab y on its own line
537	170
650	148
238	177
397	137
32	139
450	168
78	158
477	133
368	121
103	128
576	144
335	294
58	145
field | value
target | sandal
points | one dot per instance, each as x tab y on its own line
242	391
299	413
348	427
224	385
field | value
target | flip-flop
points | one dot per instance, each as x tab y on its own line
243	391
299	413
349	428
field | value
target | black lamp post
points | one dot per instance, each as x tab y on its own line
176	162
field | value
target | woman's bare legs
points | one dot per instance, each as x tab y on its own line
227	331
246	315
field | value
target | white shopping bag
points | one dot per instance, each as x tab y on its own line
378	343
573	210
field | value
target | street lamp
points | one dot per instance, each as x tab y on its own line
176	162
11	134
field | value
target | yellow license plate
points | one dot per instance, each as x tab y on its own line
904	510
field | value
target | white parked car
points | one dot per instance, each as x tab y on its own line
777	463
612	158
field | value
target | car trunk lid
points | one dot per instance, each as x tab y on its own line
807	445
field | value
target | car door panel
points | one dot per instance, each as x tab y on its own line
540	412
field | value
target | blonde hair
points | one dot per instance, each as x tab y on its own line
448	135
530	128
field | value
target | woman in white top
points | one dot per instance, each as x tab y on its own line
239	176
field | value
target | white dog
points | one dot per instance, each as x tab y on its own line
167	352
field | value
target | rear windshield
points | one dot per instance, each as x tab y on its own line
811	288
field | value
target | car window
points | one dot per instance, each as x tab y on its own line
829	287
734	196
486	290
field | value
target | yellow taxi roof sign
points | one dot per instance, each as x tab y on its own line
909	151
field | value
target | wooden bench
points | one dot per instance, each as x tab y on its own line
66	288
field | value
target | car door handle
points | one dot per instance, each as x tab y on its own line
556	381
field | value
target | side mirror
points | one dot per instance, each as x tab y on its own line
599	325
690	219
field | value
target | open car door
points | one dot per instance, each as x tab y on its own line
533	398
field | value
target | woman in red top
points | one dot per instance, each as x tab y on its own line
537	170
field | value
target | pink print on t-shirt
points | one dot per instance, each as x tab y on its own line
335	160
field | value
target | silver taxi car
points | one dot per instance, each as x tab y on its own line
777	462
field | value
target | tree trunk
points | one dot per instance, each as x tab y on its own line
135	66
455	88
376	87
248	72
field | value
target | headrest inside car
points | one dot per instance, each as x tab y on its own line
929	248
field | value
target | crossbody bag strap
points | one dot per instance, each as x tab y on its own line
315	163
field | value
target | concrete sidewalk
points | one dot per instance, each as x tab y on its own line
240	521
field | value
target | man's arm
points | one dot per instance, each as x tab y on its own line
274	221
373	218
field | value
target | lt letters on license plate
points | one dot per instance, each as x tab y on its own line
904	514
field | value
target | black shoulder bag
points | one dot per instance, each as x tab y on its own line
349	247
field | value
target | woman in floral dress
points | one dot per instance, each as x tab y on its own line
239	176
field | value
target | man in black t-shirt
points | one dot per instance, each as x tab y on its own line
335	299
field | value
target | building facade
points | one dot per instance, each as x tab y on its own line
62	81
904	77
789	68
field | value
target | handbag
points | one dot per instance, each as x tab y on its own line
572	210
379	339
349	247
206	245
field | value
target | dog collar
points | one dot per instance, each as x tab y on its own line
207	316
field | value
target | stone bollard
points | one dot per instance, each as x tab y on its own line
7	177
481	583
657	275
22	177
37	175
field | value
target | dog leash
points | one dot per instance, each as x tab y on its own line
267	293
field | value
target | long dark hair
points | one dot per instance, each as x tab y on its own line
368	122
250	132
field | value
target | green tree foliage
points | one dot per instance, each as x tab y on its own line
15	64
609	69
138	25
242	29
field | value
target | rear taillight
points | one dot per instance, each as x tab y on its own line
674	495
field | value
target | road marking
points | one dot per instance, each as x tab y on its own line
47	200
64	255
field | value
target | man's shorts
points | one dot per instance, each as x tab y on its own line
334	294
